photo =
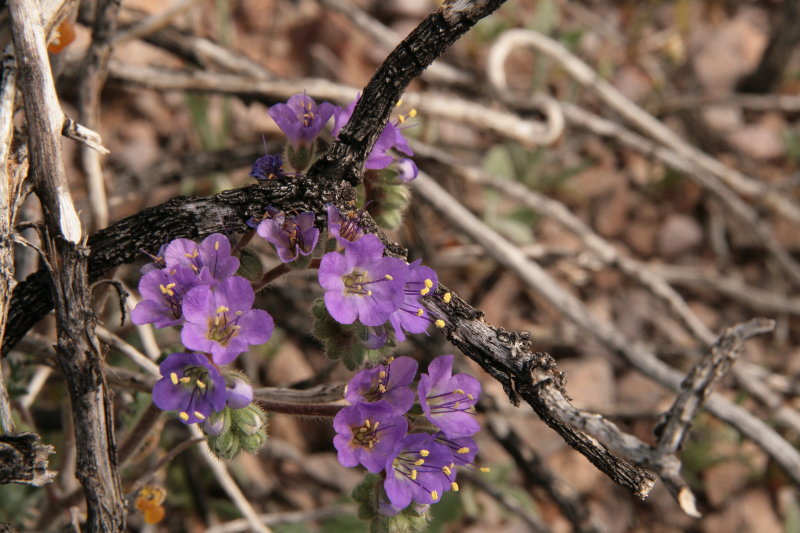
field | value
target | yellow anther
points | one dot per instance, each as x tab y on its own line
239	313
362	430
216	245
454	486
463	450
399	103
401	119
171	285
371	443
382	374
216	321
458	391
200	384
470	396
185	379
419	462
424	291
439	323
183	416
174	377
412	113
420	311
167	290
434	495
413	474
447	297
194	268
382	388
378	423
424	453
222	309
369	293
485	469
446	470
389	277
199	415
366	423
428	283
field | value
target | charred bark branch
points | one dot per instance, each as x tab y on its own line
24	460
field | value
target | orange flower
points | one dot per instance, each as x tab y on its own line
149	502
66	34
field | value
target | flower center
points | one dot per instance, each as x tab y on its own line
172	298
366	435
221	328
195	382
354	282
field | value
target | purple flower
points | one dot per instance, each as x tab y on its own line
361	283
162	295
390	138
344	228
419	469
239	393
291	236
366	433
389	383
211	259
190	385
268	167
411	316
301	119
449	401
220	320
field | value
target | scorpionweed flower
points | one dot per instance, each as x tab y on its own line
390	383
411	316
366	433
301	119
345	228
418	469
361	283
291	236
162	296
447	400
211	259
268	167
221	320
191	385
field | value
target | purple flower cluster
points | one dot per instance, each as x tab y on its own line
302	121
373	430
194	286
362	285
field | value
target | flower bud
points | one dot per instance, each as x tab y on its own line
253	443
240	393
249	420
218	423
226	446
